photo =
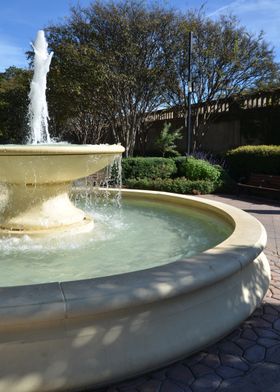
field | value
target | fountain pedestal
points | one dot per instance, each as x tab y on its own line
38	180
42	208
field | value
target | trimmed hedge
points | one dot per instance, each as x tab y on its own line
176	185
253	159
225	183
186	175
148	168
196	169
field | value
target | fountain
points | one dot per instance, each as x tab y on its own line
39	176
69	331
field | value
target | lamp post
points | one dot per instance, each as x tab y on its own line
188	119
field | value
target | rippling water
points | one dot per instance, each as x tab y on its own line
139	235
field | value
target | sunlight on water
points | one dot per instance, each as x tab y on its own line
139	235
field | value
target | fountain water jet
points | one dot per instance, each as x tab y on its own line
38	108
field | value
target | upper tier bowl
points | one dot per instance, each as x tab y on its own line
55	163
38	179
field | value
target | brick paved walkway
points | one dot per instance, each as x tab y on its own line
247	360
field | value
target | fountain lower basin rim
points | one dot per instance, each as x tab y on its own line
105	329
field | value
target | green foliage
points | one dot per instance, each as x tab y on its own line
115	62
109	64
165	174
254	159
14	87
196	169
166	141
227	59
179	162
176	185
152	168
224	184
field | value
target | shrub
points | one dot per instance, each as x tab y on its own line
147	168
166	140
179	175
196	169
225	183
179	162
253	159
176	185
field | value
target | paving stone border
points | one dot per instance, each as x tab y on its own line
247	360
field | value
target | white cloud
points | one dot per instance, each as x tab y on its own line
244	6
256	15
11	55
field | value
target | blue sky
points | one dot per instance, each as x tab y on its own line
20	20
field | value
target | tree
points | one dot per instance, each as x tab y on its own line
14	87
166	140
116	62
72	93
227	60
113	65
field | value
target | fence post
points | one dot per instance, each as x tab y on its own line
188	118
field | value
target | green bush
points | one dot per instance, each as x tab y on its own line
147	168
176	185
179	162
225	183
253	159
196	169
179	175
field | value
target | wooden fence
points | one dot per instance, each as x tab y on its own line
257	100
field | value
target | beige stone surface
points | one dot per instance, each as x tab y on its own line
105	329
248	358
38	179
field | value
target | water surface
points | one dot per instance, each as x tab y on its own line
139	235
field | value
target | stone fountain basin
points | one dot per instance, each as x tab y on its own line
42	164
38	180
72	335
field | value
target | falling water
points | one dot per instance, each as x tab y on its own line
38	108
96	190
